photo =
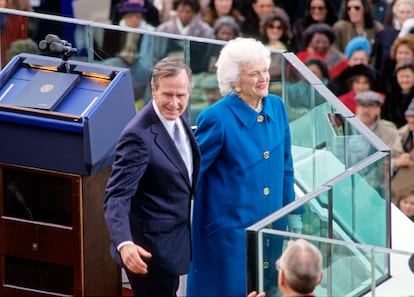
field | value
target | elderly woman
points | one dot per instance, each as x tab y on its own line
246	171
319	39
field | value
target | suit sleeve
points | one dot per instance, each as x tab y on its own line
131	160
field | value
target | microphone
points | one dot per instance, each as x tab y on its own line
60	48
43	44
54	38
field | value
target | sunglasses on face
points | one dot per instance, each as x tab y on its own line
357	8
278	27
317	8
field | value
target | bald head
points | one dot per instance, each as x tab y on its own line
301	266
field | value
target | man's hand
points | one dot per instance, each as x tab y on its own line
132	255
254	294
403	160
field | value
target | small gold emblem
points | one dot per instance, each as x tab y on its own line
46	88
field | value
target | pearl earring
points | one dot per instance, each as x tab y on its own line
237	89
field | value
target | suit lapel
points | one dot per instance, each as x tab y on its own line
164	142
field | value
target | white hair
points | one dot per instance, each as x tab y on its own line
235	54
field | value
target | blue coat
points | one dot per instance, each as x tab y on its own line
246	174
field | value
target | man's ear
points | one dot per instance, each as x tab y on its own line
320	277
153	90
281	279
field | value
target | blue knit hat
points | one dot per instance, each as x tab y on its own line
357	43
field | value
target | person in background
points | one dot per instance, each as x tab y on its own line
405	201
317	11
226	28
41	27
152	16
245	175
255	13
300	270
221	8
368	110
402	49
403	166
186	22
275	29
399	98
132	16
319	39
359	78
379	9
358	20
211	88
357	51
21	5
297	98
276	34
148	194
403	10
27	46
140	72
13	27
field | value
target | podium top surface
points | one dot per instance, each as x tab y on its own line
77	131
38	90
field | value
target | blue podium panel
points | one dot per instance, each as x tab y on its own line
68	125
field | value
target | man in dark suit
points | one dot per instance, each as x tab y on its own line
147	207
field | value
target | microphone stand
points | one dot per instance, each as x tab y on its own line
64	49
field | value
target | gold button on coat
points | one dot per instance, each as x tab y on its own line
260	118
265	265
266	191
266	155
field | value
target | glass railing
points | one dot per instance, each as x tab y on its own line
341	168
343	209
349	269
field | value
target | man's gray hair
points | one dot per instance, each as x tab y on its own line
301	264
169	66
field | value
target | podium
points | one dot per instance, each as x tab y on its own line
59	124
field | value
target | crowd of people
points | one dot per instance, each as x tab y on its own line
363	51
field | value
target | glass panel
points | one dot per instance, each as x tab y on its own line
348	269
132	50
325	141
355	209
276	73
357	200
25	34
205	91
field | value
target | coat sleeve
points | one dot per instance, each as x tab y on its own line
210	137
